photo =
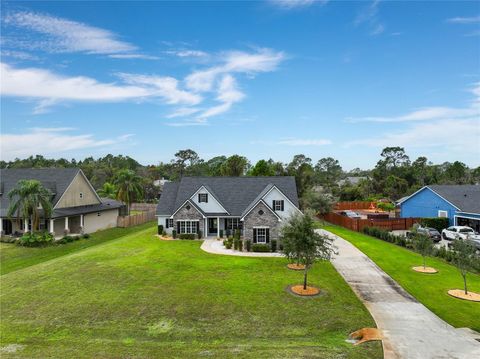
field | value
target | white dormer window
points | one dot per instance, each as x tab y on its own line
278	205
203	197
81	195
443	214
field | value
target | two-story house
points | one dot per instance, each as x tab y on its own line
77	208
257	206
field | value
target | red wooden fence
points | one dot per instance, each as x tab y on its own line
390	224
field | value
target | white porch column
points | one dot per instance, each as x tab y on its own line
66	225
205	229
52	226
25	225
218	227
81	223
1	227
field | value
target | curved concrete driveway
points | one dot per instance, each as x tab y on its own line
411	331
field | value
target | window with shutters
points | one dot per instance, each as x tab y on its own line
261	235
278	205
203	197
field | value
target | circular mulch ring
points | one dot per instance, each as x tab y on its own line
298	291
460	293
294	266
426	270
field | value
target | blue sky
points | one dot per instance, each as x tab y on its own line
262	79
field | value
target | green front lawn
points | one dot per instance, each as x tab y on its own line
139	297
13	257
429	289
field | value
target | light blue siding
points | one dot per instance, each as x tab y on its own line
427	203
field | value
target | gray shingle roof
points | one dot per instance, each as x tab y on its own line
465	197
55	179
234	193
106	204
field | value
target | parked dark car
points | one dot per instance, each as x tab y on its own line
431	233
350	214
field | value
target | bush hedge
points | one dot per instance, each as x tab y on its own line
35	239
257	247
438	223
189	236
273	245
248	244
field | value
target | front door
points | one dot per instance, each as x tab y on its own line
212	226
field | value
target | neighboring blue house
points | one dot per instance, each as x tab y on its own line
459	203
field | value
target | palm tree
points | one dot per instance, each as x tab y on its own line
108	190
129	186
26	200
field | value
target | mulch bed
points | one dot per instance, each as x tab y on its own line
164	238
460	293
426	270
366	334
295	266
298	291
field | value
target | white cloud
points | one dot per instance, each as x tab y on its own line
459	136
49	141
291	4
187	53
464	20
50	88
20	55
182	112
264	60
166	87
227	94
59	35
432	113
369	16
304	142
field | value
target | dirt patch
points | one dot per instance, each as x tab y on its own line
460	293
295	266
164	238
365	335
298	290
426	270
12	348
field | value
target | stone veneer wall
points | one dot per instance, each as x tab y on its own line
192	214
267	219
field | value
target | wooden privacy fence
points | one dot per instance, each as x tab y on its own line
143	207
135	219
341	206
356	224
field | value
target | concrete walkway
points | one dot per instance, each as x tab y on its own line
216	247
411	330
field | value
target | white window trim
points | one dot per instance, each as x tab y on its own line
278	205
206	197
264	235
185	226
442	214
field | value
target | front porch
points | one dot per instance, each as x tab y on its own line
58	227
226	226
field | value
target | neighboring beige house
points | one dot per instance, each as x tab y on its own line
77	208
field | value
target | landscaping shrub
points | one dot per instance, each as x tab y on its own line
236	242
240	245
85	236
237	234
221	233
273	244
439	223
189	236
160	229
199	234
386	206
174	234
68	238
260	247
249	245
35	239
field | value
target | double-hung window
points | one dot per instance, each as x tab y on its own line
261	235
188	227
278	205
203	197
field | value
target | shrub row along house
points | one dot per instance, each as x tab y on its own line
459	203
210	206
77	208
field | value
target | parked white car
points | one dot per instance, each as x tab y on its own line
462	232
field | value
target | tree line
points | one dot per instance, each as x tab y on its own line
319	183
